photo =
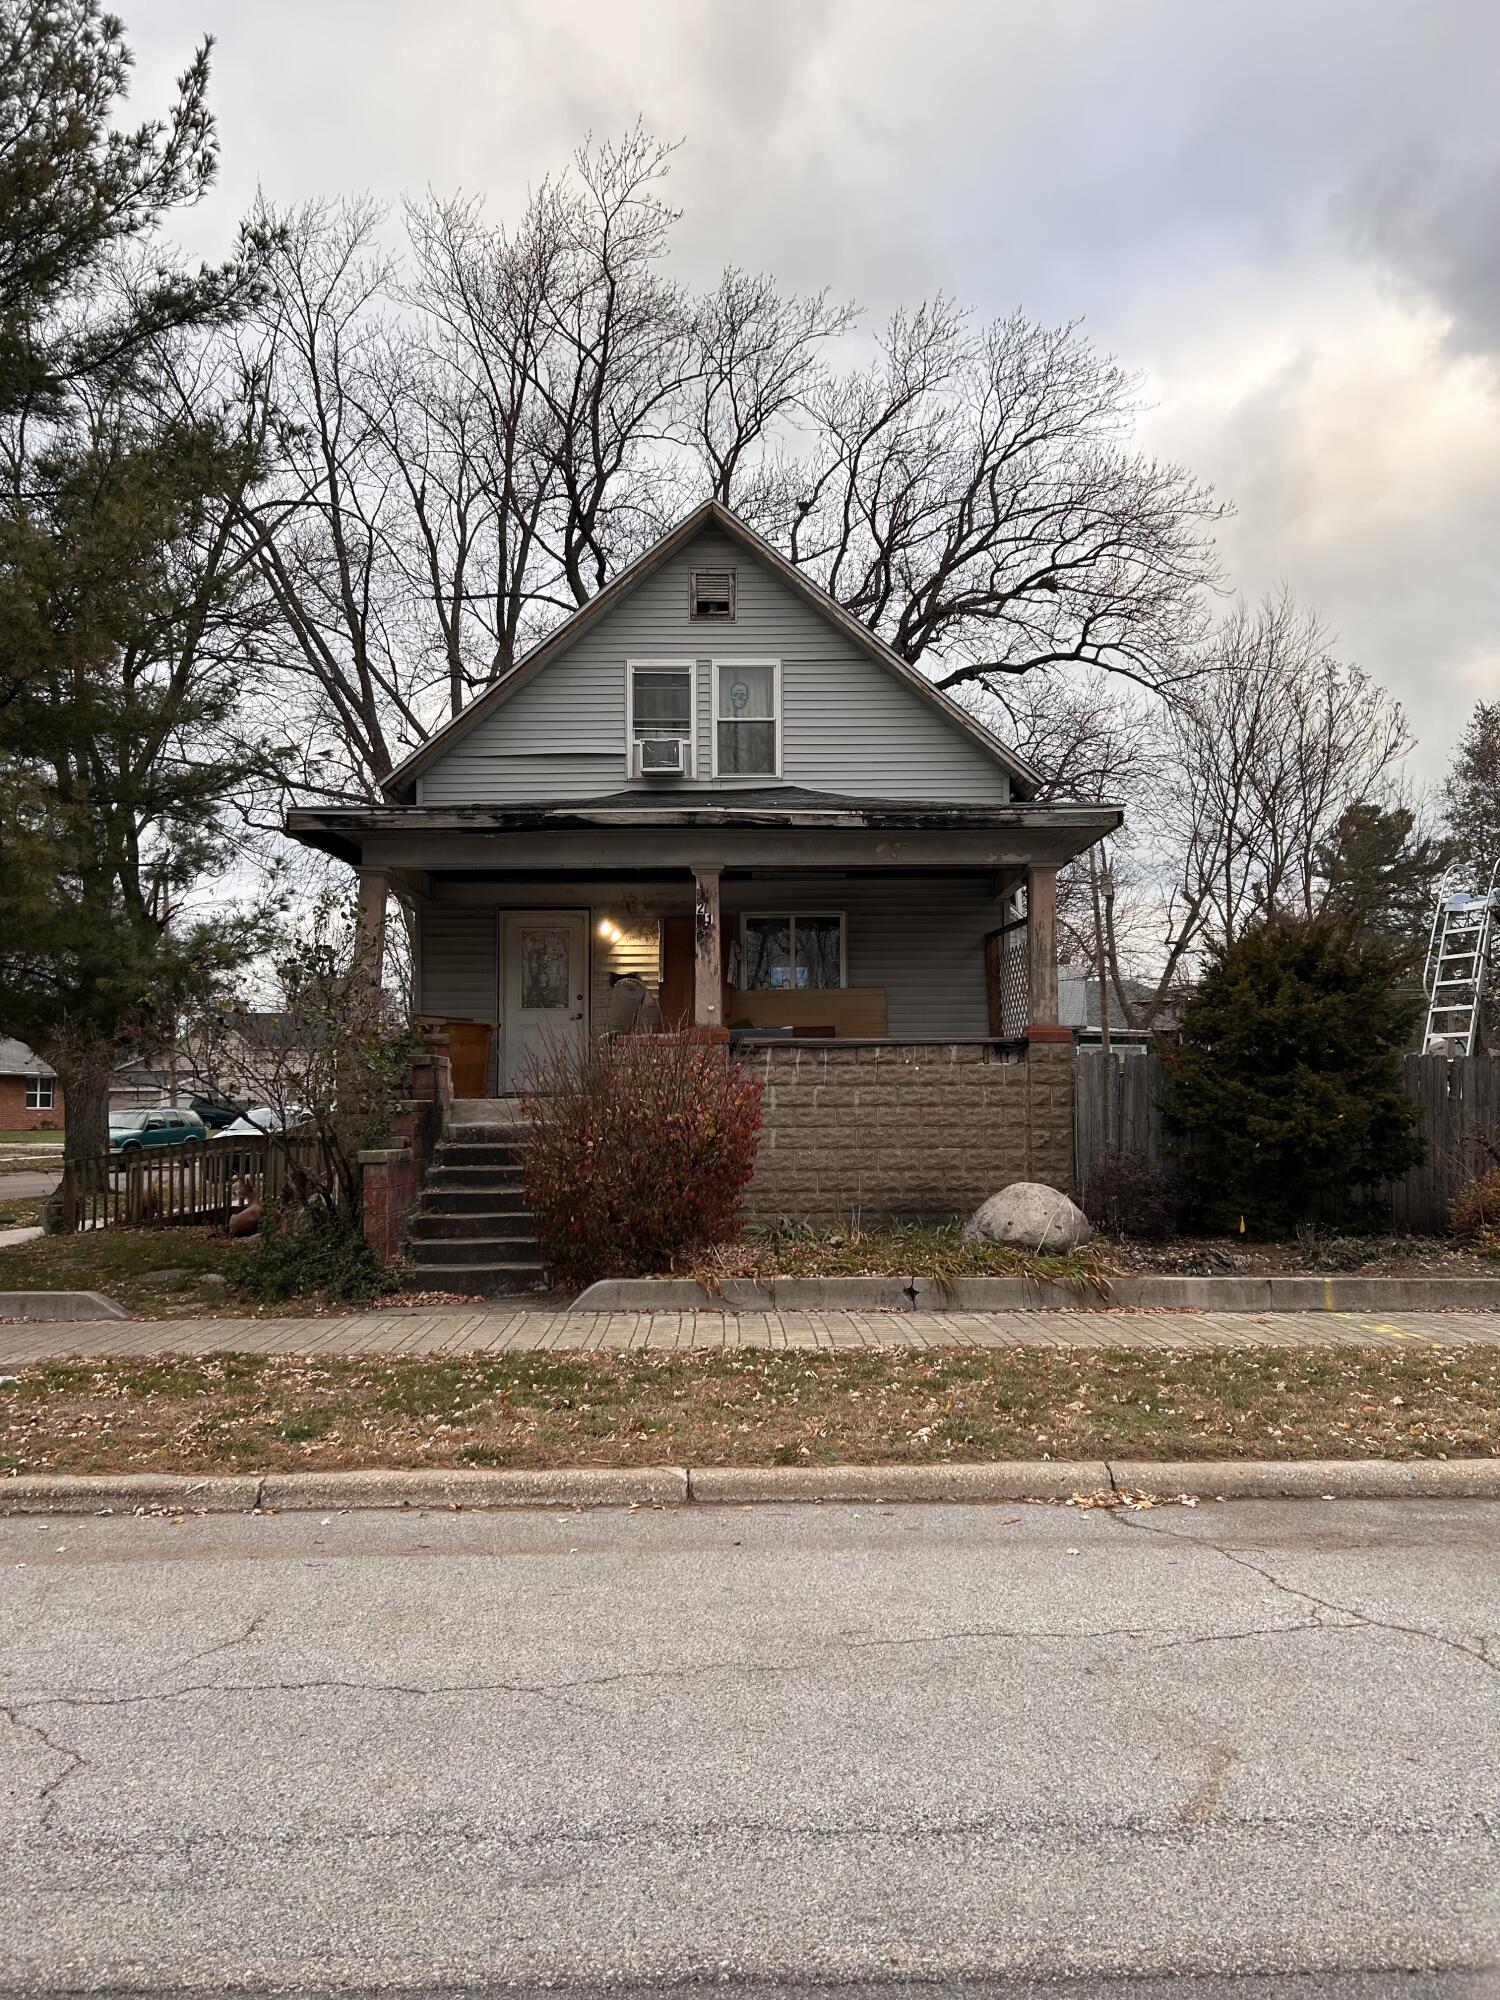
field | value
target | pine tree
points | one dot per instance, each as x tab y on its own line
1285	1096
1381	874
119	591
1471	794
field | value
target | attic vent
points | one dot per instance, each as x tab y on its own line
712	594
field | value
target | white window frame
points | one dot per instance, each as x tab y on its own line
789	917
738	660
679	666
36	1085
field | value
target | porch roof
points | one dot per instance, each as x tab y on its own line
749	825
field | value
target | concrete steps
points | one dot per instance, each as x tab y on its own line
471	1230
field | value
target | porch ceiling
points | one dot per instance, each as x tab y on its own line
682	830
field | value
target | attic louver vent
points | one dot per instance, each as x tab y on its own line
712	593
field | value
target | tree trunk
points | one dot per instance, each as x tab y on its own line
84	1074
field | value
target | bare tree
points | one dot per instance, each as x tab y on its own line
758	363
973	497
1261	759
323	532
479	432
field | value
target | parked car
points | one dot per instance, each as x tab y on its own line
217	1112
133	1131
261	1119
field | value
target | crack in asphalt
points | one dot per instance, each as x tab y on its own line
1351	1614
75	1761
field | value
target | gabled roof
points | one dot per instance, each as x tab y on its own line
711	513
18	1060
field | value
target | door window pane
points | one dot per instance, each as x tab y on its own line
817	952
544	969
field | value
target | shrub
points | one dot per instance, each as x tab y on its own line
1474	1217
641	1147
1130	1194
305	1252
1288	1075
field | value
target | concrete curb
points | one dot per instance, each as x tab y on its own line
59	1305
1018	1479
650	1486
913	1294
125	1493
675	1485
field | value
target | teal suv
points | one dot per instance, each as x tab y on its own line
133	1131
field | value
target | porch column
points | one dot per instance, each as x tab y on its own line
708	987
1041	954
369	945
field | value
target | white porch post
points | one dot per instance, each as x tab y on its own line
1041	952
708	988
374	887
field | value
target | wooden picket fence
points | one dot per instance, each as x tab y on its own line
161	1185
1117	1107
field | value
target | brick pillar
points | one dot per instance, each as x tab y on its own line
1049	1113
388	1182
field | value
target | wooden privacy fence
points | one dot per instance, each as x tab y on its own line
1117	1107
170	1184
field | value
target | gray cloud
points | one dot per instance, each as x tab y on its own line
1284	213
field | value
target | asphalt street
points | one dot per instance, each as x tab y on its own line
884	1749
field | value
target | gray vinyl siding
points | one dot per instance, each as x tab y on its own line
457	965
848	724
920	937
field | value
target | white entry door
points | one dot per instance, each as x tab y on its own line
544	988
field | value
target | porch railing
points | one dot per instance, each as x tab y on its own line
179	1184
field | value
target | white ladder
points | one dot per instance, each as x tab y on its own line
1457	956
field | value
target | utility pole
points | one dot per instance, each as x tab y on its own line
1102	886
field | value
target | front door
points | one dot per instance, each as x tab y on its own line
543	989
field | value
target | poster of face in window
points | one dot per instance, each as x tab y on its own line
544	969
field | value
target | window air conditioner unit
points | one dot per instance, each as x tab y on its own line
660	757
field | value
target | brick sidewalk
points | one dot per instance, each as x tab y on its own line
476	1330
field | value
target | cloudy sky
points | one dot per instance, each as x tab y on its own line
1286	213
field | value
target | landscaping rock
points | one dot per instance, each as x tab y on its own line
1029	1215
173	1276
212	1281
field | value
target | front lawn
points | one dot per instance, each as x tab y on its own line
887	1406
158	1271
31	1138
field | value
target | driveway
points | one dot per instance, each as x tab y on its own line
22	1187
777	1746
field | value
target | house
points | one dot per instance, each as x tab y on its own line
31	1098
716	778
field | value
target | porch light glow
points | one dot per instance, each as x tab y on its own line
610	931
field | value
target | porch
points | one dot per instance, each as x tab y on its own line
891	967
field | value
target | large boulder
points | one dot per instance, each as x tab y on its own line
1029	1215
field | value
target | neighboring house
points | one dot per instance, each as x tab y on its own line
1078	1009
713	776
31	1098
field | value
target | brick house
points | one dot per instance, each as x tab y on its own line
714	778
31	1098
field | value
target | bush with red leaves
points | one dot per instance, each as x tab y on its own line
641	1147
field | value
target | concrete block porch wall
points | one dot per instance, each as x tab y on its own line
916	1131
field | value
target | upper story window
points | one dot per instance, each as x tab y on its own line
747	718
660	706
711	595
